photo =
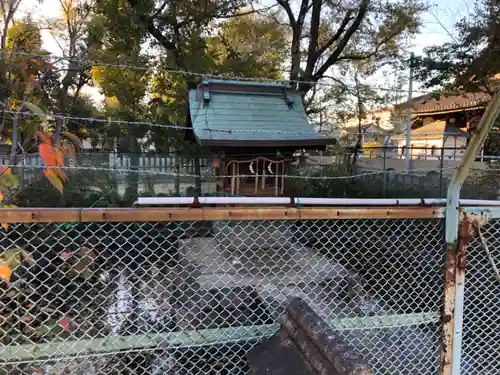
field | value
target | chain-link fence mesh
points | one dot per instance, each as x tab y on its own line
193	297
481	330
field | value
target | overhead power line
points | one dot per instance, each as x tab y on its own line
84	63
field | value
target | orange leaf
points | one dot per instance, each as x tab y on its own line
1	196
5	171
48	154
5	272
44	137
50	172
5	226
54	179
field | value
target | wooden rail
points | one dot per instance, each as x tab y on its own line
87	215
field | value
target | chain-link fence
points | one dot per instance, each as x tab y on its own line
114	292
481	331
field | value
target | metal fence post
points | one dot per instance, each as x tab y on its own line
454	281
448	309
489	117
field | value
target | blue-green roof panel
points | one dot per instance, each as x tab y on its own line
256	116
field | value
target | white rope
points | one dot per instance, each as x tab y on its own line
173	174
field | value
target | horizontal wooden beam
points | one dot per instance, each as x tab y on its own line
188	339
87	215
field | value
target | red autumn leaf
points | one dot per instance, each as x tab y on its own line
66	324
6	171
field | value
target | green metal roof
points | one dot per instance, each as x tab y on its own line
233	113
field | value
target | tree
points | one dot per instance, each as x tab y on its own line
470	60
323	33
251	45
177	24
326	34
70	31
24	78
115	39
8	9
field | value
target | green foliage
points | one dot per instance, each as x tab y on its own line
336	184
24	36
84	189
251	45
470	60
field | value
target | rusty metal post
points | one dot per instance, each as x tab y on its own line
452	233
448	309
465	234
454	279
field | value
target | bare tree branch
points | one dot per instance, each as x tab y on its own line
374	52
161	8
345	39
336	36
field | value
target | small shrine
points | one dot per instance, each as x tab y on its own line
255	129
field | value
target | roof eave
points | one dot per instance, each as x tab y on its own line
268	143
446	111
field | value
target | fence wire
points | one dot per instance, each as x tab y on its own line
194	297
481	330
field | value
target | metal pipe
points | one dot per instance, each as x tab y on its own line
489	117
306	201
448	309
153	201
369	202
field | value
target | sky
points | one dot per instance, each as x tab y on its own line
438	25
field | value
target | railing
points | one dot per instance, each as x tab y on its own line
164	173
190	290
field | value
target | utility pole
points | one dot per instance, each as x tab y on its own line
408	117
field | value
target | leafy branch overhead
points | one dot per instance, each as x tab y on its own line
469	62
322	33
